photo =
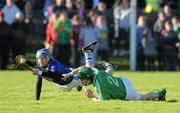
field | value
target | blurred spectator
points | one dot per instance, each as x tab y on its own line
5	42
141	26
80	6
28	10
92	16
57	7
108	14
158	27
62	47
29	16
149	50
89	32
70	8
101	9
122	24
168	12
169	40
19	34
10	10
50	33
47	4
103	48
75	41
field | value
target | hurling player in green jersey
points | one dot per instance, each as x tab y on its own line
108	86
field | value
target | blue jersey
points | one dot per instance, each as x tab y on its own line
57	67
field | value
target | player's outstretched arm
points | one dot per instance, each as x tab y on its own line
73	72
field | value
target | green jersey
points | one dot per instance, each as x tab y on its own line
108	86
63	30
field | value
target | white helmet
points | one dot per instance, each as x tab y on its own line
42	53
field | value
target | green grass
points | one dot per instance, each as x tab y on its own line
17	95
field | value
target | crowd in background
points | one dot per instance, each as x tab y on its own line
65	26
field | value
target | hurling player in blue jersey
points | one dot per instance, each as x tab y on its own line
52	70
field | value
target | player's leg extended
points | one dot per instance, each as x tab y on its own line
154	95
132	94
90	54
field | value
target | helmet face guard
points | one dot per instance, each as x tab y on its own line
42	57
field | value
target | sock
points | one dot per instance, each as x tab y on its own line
89	59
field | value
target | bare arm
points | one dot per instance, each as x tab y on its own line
73	72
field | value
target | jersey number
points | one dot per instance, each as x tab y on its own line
112	81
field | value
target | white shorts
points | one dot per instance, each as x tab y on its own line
131	93
74	83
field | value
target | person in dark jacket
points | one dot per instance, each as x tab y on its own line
5	42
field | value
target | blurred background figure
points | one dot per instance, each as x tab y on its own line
149	50
55	6
121	26
92	16
29	11
5	41
157	29
75	41
168	12
103	46
51	35
10	10
140	28
169	41
19	33
80	7
62	47
102	10
47	5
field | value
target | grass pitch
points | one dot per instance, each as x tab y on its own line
17	92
